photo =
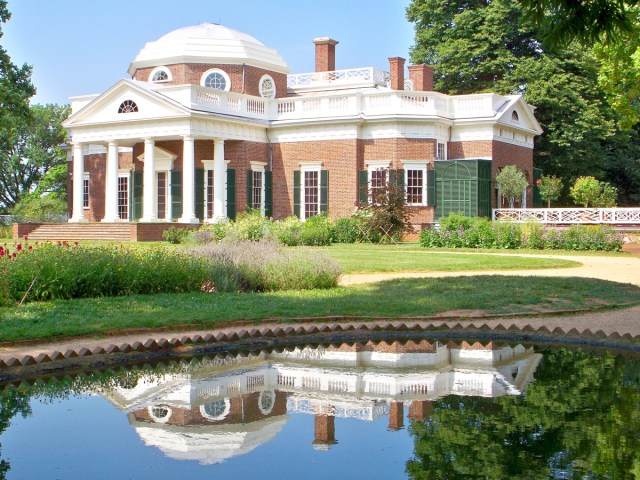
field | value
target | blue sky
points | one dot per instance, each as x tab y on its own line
79	47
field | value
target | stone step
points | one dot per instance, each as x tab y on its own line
91	231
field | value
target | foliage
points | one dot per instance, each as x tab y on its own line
458	231
550	188
33	208
588	191
249	225
576	420
511	183
6	231
63	271
175	235
385	218
5	294
266	266
32	154
348	230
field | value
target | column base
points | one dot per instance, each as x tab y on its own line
78	220
148	220
191	220
112	220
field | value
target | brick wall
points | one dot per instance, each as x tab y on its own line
474	149
191	74
397	149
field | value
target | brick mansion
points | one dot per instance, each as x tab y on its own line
212	122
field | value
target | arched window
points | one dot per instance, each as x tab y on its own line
128	106
514	116
160	74
217	79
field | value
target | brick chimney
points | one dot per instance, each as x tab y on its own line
422	77
325	431
396	416
325	54
396	69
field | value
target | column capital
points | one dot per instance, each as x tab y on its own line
188	138
149	140
218	140
111	142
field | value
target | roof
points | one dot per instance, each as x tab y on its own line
208	43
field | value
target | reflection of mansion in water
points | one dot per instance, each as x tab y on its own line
227	407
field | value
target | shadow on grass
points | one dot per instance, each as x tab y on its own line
391	298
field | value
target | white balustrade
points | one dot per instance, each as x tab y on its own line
354	76
612	216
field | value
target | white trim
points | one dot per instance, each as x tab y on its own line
258	166
304	168
227	86
420	165
377	164
168	200
124	173
163	159
310	165
161	69
86	178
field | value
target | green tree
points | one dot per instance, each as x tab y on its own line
550	188
34	155
588	191
511	183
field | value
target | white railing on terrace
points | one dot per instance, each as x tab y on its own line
613	216
352	76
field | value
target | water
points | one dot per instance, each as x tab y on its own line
418	409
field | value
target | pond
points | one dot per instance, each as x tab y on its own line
373	409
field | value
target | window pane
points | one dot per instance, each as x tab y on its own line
123	197
162	195
311	194
209	194
85	193
378	183
257	191
415	184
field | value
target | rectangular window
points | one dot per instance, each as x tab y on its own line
256	197
311	193
162	195
208	194
377	183
415	187
85	191
123	197
441	154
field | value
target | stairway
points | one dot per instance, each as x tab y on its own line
82	231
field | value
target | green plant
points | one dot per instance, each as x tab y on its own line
550	188
32	208
511	183
6	231
249	225
348	230
175	235
590	191
287	231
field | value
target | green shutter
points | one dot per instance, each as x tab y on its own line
296	193
363	187
176	194
199	194
431	188
231	193
136	193
249	189
268	194
324	191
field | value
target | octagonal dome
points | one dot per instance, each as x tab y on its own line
208	43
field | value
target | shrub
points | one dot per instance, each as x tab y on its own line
175	235
63	271
6	231
5	294
34	208
209	233
249	225
317	231
287	231
511	183
589	191
266	266
454	221
348	230
550	188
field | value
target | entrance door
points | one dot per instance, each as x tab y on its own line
163	200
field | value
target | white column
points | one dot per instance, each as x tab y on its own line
149	194
219	182
188	181
78	185
111	185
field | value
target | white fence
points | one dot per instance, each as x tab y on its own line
613	216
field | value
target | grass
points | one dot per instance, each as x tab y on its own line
366	258
392	298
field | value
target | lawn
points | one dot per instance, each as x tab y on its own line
392	298
367	258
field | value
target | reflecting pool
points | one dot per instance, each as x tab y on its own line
411	409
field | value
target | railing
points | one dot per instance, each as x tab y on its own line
614	216
334	78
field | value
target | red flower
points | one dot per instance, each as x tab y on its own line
539	181
19	247
14	254
30	247
26	237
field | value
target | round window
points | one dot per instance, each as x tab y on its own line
216	80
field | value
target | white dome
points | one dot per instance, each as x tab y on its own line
208	43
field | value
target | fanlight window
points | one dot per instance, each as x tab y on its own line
160	76
515	117
216	80
128	106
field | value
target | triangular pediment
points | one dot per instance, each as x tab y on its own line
518	114
126	101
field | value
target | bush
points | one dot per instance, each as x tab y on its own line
5	294
266	266
249	225
209	233
348	230
287	231
37	209
317	231
175	235
6	231
460	231
63	271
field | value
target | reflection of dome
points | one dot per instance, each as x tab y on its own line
209	444
208	43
